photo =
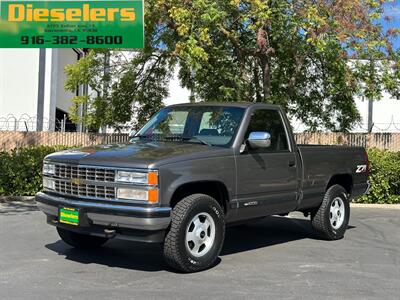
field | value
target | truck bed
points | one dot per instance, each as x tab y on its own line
319	162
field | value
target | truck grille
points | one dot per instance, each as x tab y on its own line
86	173
85	190
67	179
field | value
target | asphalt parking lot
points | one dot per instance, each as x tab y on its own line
277	258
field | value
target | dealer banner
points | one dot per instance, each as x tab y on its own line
71	24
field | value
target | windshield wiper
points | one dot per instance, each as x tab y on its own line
187	138
142	136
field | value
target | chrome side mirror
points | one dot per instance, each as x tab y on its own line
259	140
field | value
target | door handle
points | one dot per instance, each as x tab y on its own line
292	163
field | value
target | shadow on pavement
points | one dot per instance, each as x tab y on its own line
17	207
116	254
266	232
148	257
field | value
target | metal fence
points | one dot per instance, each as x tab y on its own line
14	139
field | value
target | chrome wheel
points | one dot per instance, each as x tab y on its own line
200	234
337	213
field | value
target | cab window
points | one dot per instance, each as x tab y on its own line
269	121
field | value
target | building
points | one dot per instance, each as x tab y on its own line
32	94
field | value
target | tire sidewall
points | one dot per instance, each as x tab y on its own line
208	205
335	192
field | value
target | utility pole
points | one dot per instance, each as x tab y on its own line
41	87
372	73
370	115
192	97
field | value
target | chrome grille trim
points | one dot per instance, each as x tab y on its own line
65	171
84	181
85	190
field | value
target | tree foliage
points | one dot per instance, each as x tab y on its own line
310	56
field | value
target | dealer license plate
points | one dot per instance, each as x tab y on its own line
69	216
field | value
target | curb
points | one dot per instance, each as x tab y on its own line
4	199
382	206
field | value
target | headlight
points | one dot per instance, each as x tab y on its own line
49	184
150	178
49	169
138	194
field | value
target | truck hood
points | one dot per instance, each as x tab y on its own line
137	154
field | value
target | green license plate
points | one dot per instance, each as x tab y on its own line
69	216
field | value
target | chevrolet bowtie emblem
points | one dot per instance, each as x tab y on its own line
76	181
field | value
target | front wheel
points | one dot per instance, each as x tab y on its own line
78	240
331	219
196	234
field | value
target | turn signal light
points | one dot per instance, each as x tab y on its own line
153	196
152	178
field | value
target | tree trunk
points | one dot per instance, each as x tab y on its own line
264	52
266	75
256	79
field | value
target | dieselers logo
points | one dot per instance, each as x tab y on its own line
28	13
72	24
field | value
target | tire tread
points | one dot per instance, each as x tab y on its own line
319	221
172	255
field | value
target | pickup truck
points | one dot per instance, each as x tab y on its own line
193	170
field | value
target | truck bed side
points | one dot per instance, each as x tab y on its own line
324	166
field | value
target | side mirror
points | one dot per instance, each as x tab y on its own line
259	140
132	133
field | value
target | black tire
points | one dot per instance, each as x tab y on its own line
320	219
176	253
81	241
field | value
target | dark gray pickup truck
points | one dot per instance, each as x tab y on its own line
194	169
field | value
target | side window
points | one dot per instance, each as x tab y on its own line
269	121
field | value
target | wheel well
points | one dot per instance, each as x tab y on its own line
345	180
214	189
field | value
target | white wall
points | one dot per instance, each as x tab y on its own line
19	83
385	116
55	95
19	70
65	57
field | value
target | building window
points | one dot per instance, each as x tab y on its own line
63	122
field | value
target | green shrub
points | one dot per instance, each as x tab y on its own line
21	170
384	177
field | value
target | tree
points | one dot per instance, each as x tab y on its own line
310	56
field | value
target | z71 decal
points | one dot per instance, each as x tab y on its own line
361	169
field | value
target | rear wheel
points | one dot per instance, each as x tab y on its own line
331	219
78	240
196	235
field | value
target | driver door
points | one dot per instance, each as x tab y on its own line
266	177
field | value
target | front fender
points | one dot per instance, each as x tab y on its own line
220	169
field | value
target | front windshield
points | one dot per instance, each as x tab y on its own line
210	125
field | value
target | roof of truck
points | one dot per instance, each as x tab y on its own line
227	104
